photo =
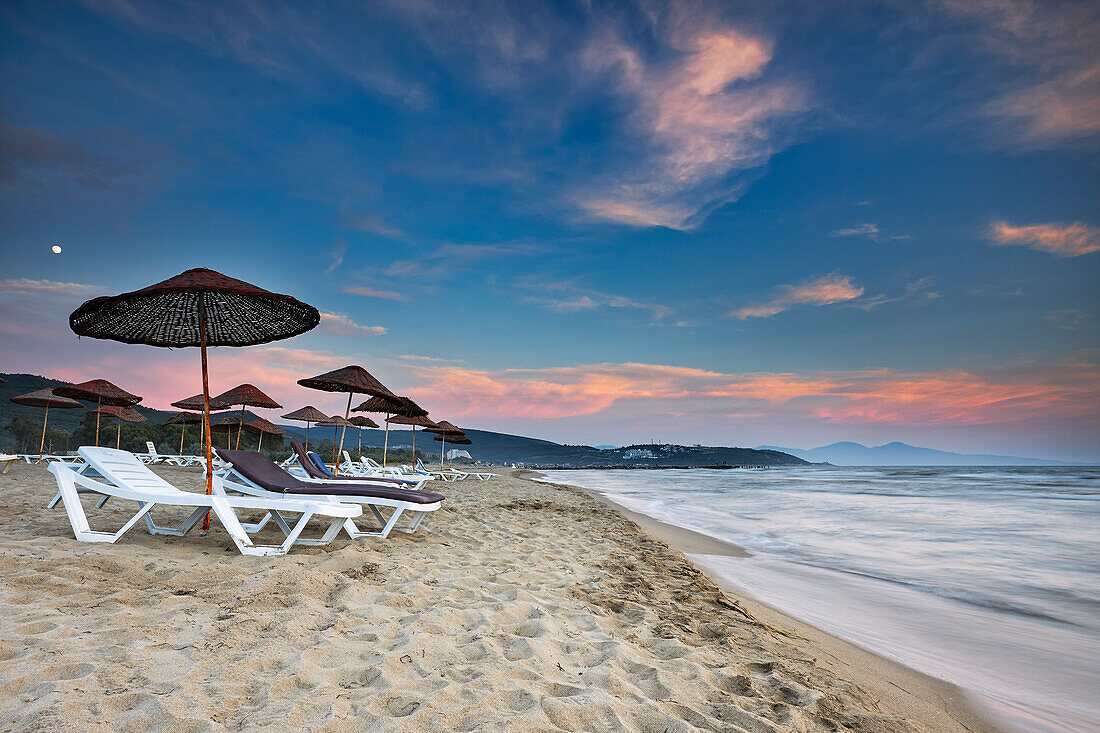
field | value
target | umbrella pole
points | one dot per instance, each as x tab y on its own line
239	426
260	446
206	407
442	447
183	434
307	435
42	445
334	431
118	435
347	411
98	404
359	450
386	445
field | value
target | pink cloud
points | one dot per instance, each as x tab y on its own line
342	325
824	290
374	293
951	397
1064	240
708	115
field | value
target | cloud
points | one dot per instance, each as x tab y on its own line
712	113
27	286
1054	97
870	231
1064	240
338	251
1058	392
368	223
567	297
450	259
33	157
342	325
823	290
373	293
1068	319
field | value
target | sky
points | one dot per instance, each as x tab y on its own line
725	223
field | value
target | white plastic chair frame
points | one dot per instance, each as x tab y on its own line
125	477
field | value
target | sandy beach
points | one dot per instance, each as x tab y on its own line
518	606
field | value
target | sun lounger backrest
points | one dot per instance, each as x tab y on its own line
305	462
319	465
125	470
150	448
260	470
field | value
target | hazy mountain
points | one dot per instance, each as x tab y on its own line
900	454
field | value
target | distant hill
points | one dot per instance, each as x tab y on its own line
900	454
487	445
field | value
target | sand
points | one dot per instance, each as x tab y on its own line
518	606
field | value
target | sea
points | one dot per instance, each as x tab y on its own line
986	577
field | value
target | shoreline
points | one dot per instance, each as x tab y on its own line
897	687
518	606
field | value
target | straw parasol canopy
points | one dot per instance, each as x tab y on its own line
228	424
360	422
183	419
101	392
200	308
335	422
351	379
245	395
195	403
308	414
419	421
122	413
389	406
262	427
45	398
444	429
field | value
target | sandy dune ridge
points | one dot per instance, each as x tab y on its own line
518	606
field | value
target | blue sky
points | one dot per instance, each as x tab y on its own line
591	222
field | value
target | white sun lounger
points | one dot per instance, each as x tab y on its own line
265	479
126	477
153	457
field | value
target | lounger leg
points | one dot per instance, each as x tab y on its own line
79	520
180	531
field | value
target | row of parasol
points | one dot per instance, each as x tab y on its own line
203	308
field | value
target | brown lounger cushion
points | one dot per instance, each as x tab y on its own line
263	472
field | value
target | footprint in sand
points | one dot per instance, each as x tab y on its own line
32	629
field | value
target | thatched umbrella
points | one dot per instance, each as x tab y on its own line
444	429
99	391
44	398
183	419
228	424
361	422
245	395
194	403
307	414
201	308
336	422
262	427
420	420
121	413
351	379
389	406
455	440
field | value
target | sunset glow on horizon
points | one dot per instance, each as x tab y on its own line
592	223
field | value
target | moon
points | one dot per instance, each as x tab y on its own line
56	249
